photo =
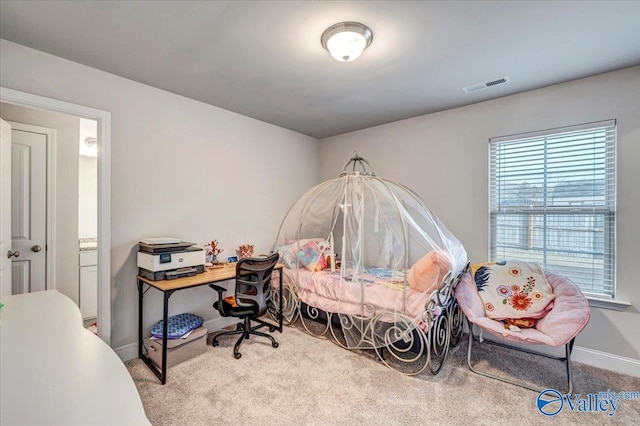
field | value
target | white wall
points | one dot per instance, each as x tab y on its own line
444	158
178	168
67	134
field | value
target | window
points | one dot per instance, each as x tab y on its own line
553	201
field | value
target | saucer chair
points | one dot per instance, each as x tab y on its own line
559	326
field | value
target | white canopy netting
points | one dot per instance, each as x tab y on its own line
366	257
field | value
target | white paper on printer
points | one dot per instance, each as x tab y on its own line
160	240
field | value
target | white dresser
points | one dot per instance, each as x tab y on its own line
88	265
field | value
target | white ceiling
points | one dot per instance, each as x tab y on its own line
263	59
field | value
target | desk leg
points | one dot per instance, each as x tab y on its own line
140	304
165	325
280	302
161	374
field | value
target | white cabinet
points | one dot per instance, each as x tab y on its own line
89	284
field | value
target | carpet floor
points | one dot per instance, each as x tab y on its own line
312	381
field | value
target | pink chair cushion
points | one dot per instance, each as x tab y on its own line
568	317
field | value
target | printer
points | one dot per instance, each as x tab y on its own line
168	258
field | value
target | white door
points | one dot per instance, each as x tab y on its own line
28	207
5	208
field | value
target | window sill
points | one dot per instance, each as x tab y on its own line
615	305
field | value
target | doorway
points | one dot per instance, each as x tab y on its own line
102	270
88	222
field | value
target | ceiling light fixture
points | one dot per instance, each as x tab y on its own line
346	41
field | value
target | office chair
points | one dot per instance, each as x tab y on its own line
253	292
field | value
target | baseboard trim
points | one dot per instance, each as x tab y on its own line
130	351
616	363
127	352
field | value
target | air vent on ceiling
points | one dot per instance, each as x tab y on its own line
482	86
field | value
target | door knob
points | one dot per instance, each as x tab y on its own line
36	248
11	254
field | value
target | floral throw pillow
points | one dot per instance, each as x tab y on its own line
513	289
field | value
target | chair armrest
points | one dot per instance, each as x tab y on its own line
221	291
218	288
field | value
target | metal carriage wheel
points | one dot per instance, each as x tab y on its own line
400	343
439	338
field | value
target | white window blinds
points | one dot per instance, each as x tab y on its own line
553	201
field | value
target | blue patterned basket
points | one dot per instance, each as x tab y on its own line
177	326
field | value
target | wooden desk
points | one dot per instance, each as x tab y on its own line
168	287
55	372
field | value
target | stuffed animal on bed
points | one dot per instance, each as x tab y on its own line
426	274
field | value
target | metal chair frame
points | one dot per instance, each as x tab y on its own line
566	359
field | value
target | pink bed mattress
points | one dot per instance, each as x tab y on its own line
373	296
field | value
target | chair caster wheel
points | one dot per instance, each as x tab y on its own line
214	343
237	356
275	344
272	329
239	327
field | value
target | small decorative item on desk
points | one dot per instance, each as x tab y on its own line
213	250
245	250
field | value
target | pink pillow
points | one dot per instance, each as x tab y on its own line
427	273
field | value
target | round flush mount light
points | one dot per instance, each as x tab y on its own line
346	41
